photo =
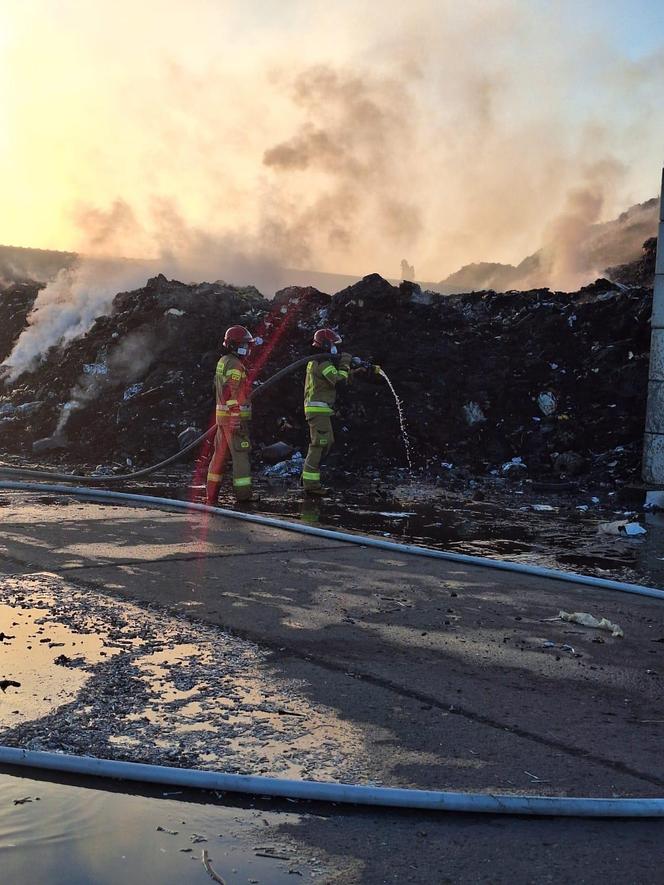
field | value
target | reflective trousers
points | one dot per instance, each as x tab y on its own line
322	440
233	435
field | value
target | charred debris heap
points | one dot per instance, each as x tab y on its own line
526	384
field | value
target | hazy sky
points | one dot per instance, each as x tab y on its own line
342	136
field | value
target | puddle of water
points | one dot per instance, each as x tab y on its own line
67	834
29	653
159	689
492	522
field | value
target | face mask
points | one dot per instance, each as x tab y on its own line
242	351
333	350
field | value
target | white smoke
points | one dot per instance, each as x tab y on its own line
68	306
128	361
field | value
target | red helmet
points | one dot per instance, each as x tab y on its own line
326	338
237	335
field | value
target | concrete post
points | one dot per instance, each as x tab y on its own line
653	443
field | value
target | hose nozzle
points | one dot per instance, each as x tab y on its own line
371	368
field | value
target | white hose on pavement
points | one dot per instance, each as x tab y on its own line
346	537
324	791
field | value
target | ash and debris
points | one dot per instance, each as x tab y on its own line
531	385
162	690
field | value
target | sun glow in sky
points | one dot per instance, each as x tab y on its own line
339	136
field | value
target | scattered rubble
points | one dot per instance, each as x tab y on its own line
150	687
640	272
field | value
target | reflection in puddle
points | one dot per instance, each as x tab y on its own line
77	835
482	517
49	660
106	678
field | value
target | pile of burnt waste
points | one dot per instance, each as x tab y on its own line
534	384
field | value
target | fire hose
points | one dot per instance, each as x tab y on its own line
146	471
326	791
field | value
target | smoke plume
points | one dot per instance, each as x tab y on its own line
68	306
355	138
126	362
326	136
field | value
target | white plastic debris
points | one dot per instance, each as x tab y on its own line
174	312
542	507
132	391
633	528
291	467
95	369
103	470
620	527
8	410
515	465
473	413
547	402
588	620
396	514
29	408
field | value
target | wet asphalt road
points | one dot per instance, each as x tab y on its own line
456	676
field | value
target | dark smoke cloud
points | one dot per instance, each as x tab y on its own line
354	135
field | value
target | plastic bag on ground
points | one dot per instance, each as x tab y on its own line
588	620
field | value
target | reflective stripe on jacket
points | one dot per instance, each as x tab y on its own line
320	387
231	388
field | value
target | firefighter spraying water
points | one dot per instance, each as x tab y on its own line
320	393
325	370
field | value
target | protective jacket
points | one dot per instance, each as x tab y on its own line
233	412
231	388
320	385
319	397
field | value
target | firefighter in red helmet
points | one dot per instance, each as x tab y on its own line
233	414
320	393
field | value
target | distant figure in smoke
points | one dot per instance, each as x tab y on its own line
320	394
407	271
233	414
